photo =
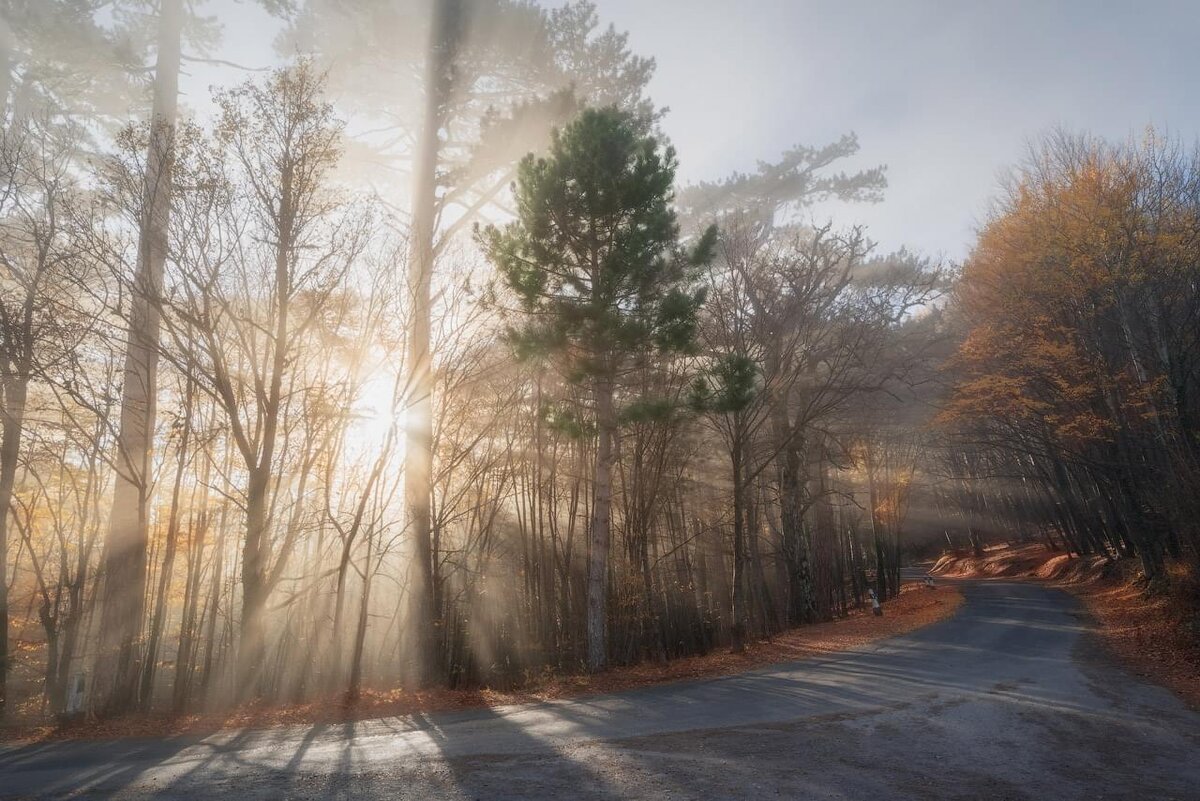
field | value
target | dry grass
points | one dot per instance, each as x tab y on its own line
916	606
1155	635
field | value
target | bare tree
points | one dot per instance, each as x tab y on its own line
124	571
39	267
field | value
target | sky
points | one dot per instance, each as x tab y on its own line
946	93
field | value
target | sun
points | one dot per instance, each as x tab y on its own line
373	413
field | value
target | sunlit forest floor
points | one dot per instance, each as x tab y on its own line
916	606
1154	634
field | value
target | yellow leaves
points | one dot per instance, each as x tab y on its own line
1081	427
991	396
1086	231
1065	238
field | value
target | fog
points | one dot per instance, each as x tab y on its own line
944	96
358	348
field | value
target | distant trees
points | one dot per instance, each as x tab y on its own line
57	54
126	543
245	312
800	329
1078	371
41	270
331	454
495	75
595	261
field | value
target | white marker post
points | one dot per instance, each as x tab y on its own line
75	695
876	609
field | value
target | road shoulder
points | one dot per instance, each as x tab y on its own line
917	606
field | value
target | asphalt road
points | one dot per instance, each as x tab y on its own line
1007	700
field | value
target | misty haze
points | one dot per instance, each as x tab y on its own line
599	399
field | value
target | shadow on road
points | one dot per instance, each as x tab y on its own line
1004	664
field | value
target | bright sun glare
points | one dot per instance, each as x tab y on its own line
373	413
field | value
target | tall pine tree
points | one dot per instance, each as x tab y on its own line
595	260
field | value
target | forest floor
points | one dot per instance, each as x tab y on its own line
916	606
1154	635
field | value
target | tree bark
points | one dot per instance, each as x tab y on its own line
252	646
601	529
360	632
737	626
168	565
801	594
15	391
115	683
418	459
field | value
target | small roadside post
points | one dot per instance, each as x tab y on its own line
876	609
75	695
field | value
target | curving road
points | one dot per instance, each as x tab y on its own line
1004	701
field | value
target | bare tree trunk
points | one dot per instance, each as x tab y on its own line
171	548
877	531
185	661
738	609
10	452
601	530
823	536
252	645
360	633
121	614
418	461
214	608
70	629
801	596
339	604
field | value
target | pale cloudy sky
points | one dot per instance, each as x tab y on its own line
945	92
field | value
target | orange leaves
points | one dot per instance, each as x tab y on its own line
1084	235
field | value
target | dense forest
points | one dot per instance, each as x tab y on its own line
413	364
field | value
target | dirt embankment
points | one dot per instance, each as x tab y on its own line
1154	634
916	606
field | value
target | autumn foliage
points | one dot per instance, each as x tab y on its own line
1078	368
